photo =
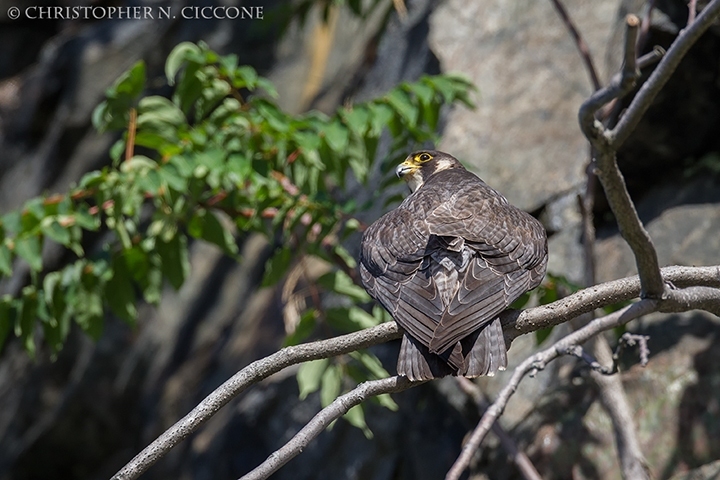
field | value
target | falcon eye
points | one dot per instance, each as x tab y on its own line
425	157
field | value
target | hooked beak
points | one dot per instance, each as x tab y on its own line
405	168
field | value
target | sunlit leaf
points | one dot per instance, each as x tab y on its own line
356	417
309	376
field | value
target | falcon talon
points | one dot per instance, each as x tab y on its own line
446	262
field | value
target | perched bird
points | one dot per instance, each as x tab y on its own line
446	262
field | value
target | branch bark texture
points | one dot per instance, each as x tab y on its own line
321	421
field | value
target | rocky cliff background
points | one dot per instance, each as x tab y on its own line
87	412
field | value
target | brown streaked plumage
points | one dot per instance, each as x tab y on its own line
446	262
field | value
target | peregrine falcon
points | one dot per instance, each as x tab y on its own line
446	262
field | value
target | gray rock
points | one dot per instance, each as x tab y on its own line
523	137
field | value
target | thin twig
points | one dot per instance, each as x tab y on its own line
579	352
579	43
524	464
692	12
130	142
630	340
619	86
320	422
645	26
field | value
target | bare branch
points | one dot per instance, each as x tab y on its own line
525	466
253	373
517	323
619	86
613	399
630	340
687	37
579	43
538	362
697	297
321	421
692	12
579	352
703	298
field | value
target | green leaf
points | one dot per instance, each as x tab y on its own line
249	77
356	417
7	318
57	302
179	55
371	362
159	109
170	175
341	252
339	282
521	301
175	262
113	113
120	292
381	314
357	120
309	376
424	92
386	401
5	260
53	230
30	250
400	101
350	319
330	385
25	326
542	335
337	136
276	266
131	83
89	311
380	116
303	329
206	226
87	221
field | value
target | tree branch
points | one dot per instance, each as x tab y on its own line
579	43
320	422
538	362
702	298
249	375
608	172
515	323
619	86
523	463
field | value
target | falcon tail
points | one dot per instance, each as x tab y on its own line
482	353
487	352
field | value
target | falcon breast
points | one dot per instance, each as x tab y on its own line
446	262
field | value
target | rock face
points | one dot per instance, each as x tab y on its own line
85	414
530	82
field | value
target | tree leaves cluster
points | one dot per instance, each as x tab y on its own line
216	160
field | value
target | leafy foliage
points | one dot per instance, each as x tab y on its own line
218	158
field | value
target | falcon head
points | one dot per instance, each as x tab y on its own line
421	165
